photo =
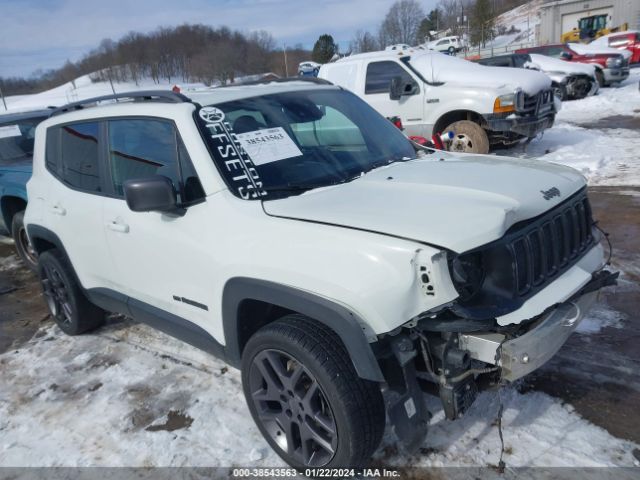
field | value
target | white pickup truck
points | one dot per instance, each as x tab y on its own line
434	93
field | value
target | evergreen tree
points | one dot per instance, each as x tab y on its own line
324	49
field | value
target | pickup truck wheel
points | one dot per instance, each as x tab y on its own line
23	246
306	397
468	137
70	309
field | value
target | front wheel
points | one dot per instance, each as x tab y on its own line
21	240
468	137
306	398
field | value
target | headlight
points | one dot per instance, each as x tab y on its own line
468	274
614	62
505	103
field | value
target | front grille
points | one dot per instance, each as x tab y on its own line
540	103
530	256
551	244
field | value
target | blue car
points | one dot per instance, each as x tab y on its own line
17	132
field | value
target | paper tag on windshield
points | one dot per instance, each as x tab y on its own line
7	131
268	145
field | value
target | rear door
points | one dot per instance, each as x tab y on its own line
410	108
74	202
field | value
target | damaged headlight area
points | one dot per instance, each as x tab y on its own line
455	350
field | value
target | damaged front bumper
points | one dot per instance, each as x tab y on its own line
526	126
522	355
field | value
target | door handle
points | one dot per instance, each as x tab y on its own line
118	227
58	210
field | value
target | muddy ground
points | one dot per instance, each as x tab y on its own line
597	372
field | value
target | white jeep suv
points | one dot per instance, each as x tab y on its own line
293	231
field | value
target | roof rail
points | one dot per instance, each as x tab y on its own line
316	80
165	96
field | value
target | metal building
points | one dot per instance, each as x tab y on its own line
559	16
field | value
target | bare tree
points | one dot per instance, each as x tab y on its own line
362	42
401	23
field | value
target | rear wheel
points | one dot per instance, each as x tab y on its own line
23	246
306	397
70	309
468	137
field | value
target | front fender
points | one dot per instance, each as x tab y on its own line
335	316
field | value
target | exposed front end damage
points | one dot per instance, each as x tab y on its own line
520	298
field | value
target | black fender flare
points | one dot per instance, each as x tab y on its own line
342	321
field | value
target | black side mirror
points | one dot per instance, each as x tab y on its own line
151	194
400	88
566	56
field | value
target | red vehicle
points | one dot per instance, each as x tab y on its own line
610	67
622	41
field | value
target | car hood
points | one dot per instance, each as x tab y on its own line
550	64
457	203
440	68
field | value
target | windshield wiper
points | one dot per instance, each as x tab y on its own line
309	186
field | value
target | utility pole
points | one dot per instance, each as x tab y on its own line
286	67
3	100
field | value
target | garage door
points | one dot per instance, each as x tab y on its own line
570	20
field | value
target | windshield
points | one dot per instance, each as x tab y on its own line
284	144
16	141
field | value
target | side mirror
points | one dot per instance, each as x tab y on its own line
151	194
400	88
566	56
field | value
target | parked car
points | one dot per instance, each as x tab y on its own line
434	93
258	223
450	45
308	69
629	41
569	80
611	67
17	132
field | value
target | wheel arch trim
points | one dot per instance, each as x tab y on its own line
335	316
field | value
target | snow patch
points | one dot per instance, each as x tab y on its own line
89	400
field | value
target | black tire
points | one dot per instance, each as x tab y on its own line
451	50
23	246
469	137
348	406
600	78
70	309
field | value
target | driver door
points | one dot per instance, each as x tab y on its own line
410	108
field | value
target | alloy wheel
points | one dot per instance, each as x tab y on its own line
292	408
56	294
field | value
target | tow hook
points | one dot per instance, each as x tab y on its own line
406	404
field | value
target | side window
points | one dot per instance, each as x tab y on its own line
80	167
379	75
52	153
140	148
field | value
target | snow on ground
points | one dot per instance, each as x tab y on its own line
112	399
598	135
524	19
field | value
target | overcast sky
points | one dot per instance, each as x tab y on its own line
43	34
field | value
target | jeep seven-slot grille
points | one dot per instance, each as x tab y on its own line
497	278
552	245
